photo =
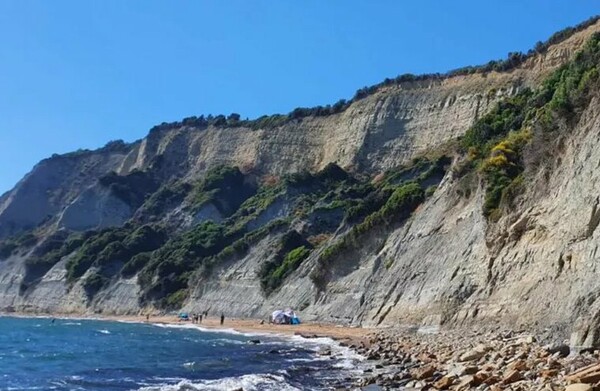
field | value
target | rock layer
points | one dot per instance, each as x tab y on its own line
445	265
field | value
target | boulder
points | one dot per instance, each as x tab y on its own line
480	378
474	354
579	387
465	382
444	383
459	370
519	365
589	374
548	373
423	372
512	376
563	350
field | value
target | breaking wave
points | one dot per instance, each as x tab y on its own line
255	382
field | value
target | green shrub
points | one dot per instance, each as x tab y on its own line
131	188
7	248
20	242
496	141
135	264
176	300
164	198
430	191
226	187
103	248
171	265
389	262
274	275
93	283
403	201
289	242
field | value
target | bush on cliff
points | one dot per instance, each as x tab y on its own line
226	187
496	142
293	249
114	244
132	188
402	202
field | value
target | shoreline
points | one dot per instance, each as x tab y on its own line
338	333
332	345
448	359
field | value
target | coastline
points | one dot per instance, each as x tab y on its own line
245	326
322	346
443	359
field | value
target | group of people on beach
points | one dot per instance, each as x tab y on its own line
197	318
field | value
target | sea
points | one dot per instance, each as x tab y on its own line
70	354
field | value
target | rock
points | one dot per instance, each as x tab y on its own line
254	341
444	383
461	370
325	351
372	387
589	374
526	340
512	376
426	357
465	382
423	372
474	354
492	379
488	368
519	365
480	378
562	349
579	387
548	373
553	363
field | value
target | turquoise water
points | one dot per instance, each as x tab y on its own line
39	354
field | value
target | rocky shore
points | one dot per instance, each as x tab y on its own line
469	360
440	359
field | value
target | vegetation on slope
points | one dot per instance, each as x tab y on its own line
166	261
111	247
292	251
402	202
495	145
16	244
225	187
390	199
132	188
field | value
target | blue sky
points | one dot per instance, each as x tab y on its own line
76	74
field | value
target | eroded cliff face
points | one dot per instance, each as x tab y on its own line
446	264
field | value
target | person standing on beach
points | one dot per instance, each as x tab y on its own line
222	319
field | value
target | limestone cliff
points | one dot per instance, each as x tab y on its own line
447	263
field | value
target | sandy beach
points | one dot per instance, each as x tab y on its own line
309	330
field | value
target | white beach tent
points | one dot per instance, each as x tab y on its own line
285	317
279	317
